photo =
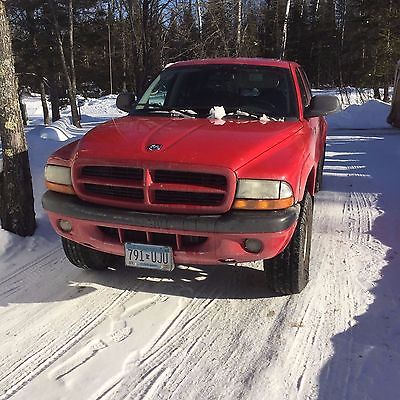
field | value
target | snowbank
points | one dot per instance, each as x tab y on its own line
33	105
350	95
370	115
103	106
92	110
62	130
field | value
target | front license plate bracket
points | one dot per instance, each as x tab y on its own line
149	256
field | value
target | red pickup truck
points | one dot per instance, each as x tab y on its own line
217	162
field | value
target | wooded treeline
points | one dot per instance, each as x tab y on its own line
97	47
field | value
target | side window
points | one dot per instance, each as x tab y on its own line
158	95
305	94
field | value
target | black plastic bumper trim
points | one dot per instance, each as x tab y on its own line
231	222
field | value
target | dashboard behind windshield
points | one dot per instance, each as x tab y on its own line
251	89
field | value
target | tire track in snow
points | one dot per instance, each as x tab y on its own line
33	266
186	346
78	359
336	283
340	284
359	214
359	249
313	310
120	330
32	365
160	348
47	350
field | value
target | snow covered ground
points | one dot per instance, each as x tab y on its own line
214	332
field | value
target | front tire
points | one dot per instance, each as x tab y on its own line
84	257
288	272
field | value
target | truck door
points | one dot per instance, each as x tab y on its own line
315	124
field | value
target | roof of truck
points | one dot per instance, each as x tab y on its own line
265	62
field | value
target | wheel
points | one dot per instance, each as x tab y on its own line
288	272
84	257
318	181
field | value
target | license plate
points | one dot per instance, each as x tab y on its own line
149	256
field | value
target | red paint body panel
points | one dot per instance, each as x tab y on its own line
281	150
201	142
262	62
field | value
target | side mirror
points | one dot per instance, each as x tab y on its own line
322	105
125	101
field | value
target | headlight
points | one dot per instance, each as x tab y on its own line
263	194
58	179
56	174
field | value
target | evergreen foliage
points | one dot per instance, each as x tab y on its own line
339	42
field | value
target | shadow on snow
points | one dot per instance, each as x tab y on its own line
366	360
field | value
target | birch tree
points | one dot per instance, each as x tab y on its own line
285	30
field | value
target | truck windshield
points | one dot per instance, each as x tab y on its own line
240	89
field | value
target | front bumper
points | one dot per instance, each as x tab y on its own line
103	228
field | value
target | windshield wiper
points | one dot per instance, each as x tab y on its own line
260	117
183	113
243	114
152	108
156	109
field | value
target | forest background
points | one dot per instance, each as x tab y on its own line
94	47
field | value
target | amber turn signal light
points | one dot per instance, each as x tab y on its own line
278	204
56	187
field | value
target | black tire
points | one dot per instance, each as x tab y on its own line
84	257
320	170
288	272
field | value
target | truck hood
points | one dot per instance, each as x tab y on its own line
229	144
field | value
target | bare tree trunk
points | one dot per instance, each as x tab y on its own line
109	25
302	8
377	94
74	108
69	79
343	30
16	206
284	30
22	107
388	56
54	92
386	97
46	117
32	24
123	34
124	61
199	18
394	116
316	7
239	28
